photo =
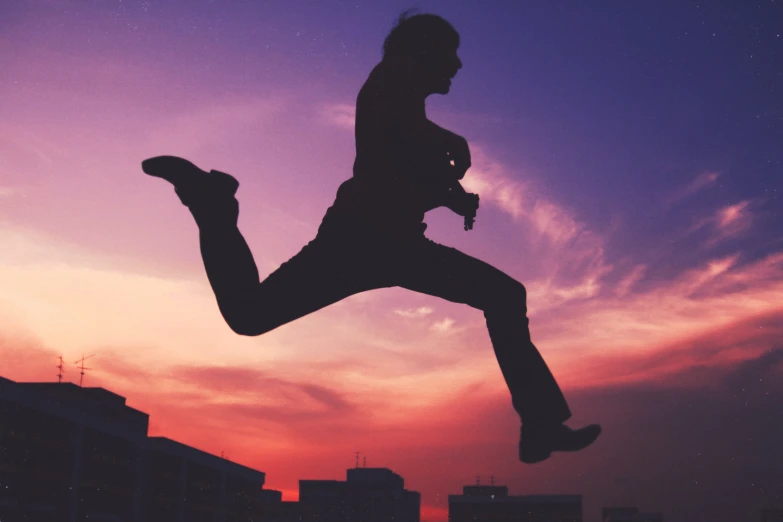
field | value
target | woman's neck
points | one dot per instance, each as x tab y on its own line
403	74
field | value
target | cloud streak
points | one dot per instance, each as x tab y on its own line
701	182
342	115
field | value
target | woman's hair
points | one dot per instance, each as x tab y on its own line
418	35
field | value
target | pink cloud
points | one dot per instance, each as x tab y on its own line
7	192
726	222
626	283
699	183
417	312
570	256
444	325
186	132
342	115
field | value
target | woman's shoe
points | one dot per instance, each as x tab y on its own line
536	443
191	184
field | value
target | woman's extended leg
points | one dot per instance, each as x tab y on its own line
450	274
446	272
325	271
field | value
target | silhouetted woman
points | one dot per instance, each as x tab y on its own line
373	234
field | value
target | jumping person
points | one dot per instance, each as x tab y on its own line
373	235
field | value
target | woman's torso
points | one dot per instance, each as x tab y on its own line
391	186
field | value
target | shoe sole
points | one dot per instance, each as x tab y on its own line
531	457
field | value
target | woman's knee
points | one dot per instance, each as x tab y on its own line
242	326
245	320
508	295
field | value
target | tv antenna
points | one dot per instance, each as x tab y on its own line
62	370
82	368
365	461
357	459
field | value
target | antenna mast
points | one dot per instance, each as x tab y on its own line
82	368
365	462
357	459
62	370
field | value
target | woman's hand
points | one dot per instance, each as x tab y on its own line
458	152
448	151
464	204
472	205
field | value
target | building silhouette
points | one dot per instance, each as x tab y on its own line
367	495
628	514
278	510
71	454
188	484
493	503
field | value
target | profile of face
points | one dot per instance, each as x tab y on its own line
437	69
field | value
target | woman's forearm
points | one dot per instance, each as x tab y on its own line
451	197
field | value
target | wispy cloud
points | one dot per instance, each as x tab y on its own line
6	192
733	219
251	387
627	282
494	185
444	325
718	294
342	115
699	183
415	312
726	222
571	255
27	146
186	132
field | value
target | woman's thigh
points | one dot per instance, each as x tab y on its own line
322	273
447	273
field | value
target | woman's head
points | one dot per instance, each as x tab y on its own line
430	43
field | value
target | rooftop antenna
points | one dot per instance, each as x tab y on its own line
357	459
82	368
62	370
365	462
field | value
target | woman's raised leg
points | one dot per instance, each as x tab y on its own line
323	272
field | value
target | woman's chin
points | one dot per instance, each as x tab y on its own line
443	87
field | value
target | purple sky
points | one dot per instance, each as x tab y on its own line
628	160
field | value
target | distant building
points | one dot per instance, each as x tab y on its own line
367	495
772	515
69	454
628	514
493	503
186	484
323	500
378	494
285	511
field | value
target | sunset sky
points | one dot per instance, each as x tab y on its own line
628	158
